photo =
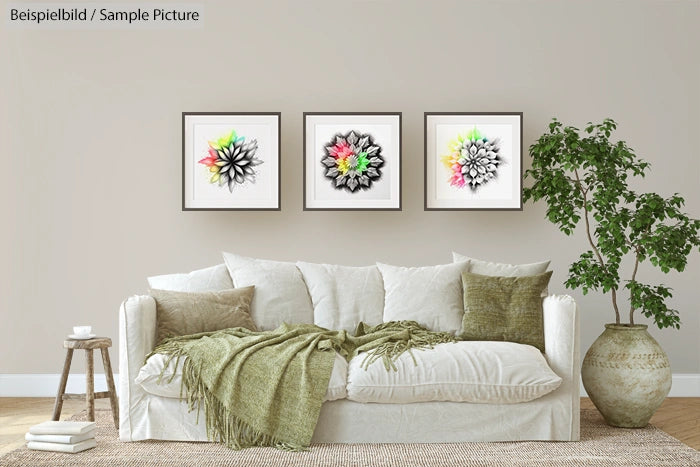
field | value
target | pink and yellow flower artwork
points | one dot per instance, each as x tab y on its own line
353	161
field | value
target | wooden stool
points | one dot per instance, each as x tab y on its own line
102	343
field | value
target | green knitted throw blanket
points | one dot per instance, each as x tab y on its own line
266	388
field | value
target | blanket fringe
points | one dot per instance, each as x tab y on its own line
222	425
419	338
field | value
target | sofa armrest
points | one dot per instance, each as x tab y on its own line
562	348
137	334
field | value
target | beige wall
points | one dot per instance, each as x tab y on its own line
90	138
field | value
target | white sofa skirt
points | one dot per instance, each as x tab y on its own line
554	417
344	421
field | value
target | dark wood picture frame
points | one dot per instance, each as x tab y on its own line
399	160
425	161
278	115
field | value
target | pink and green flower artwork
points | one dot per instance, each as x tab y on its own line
231	160
353	161
472	159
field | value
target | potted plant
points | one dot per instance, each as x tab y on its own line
583	176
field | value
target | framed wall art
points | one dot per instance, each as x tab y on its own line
230	161
352	161
473	161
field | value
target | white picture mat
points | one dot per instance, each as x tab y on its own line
502	192
320	191
200	193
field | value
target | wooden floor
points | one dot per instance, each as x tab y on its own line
679	417
17	414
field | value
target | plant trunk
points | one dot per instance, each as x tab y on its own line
634	275
613	291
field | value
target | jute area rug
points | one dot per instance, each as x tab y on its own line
600	445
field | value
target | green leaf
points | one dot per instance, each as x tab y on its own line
585	176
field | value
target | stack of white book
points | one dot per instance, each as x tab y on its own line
63	436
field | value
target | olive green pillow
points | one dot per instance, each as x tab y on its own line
504	308
182	313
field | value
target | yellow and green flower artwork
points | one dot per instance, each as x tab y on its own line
231	160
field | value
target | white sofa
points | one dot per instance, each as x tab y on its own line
554	416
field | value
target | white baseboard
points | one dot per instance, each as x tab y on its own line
682	385
46	385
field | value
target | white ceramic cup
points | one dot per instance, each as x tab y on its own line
82	331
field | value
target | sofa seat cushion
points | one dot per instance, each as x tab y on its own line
169	385
474	371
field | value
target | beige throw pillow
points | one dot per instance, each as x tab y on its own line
182	313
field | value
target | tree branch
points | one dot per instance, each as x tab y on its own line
584	193
634	274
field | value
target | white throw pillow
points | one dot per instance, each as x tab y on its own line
343	296
488	268
431	296
169	385
338	384
468	371
212	279
280	292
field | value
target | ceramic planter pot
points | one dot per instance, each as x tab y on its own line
627	375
